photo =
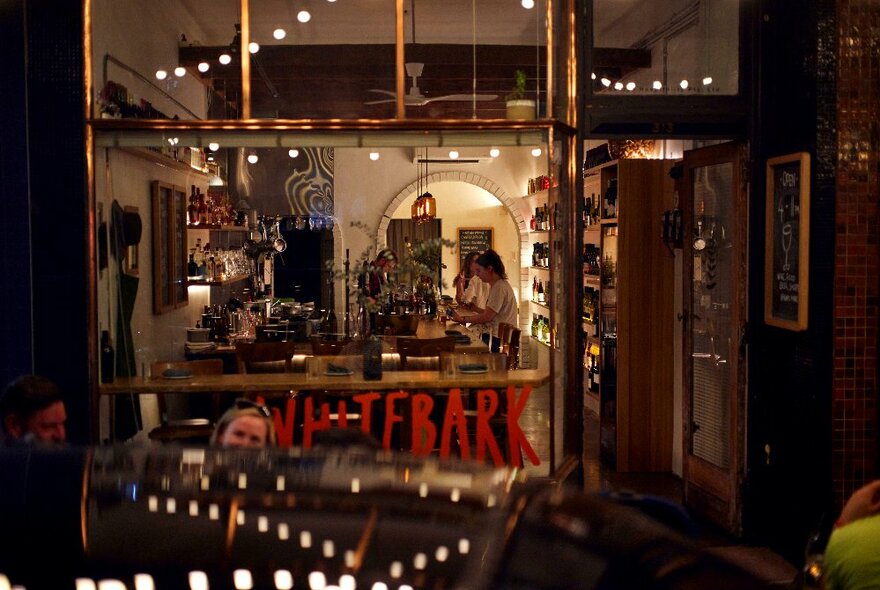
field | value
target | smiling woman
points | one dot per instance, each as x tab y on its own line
246	425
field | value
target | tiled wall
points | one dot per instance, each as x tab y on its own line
855	392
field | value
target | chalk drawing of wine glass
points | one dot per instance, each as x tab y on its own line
786	244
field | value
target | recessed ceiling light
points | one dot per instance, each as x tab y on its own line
374	156
528	4
204	67
253	47
179	71
683	84
279	33
161	74
536	152
213	146
293	153
303	16
253	158
494	153
225	59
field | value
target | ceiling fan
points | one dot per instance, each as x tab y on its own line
415	98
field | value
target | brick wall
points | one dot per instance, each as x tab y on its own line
855	392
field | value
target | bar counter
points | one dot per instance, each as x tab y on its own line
285	382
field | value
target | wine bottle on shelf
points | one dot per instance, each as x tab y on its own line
192	269
541	296
534	288
192	210
202	207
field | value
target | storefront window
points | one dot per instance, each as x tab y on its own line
680	48
182	59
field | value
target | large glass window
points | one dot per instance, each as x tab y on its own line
323	60
677	47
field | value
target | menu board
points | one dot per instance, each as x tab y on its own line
473	239
786	263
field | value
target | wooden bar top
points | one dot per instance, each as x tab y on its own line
284	382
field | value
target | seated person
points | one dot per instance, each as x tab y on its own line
246	425
32	410
852	557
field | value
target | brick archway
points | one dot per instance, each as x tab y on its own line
510	203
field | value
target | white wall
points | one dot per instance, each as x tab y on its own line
460	204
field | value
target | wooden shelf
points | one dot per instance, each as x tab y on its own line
162	160
538	194
608	221
544	305
596	169
217	283
216	227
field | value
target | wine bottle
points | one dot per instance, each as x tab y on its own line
373	359
192	210
541	292
192	269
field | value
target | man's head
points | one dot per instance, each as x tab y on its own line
32	406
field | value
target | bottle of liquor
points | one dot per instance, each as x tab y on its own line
202	208
192	210
107	358
192	269
541	297
534	288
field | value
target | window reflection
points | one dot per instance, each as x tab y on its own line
677	48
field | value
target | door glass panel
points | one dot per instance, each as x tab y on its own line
710	301
676	48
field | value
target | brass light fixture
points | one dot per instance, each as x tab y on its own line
424	209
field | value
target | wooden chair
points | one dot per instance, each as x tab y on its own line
192	429
265	357
427	349
510	344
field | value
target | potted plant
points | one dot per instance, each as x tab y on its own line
518	106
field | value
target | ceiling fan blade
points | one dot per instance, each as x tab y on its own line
461	98
380	91
384	100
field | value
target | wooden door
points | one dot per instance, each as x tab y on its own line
715	203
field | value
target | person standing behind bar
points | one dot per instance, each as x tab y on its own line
379	271
501	304
470	291
32	410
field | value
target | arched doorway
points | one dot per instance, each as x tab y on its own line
518	275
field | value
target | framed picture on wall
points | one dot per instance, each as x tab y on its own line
787	246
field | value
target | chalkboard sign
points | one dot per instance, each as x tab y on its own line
473	239
787	249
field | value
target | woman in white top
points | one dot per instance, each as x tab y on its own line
470	291
501	303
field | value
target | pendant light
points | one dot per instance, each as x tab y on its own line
424	209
